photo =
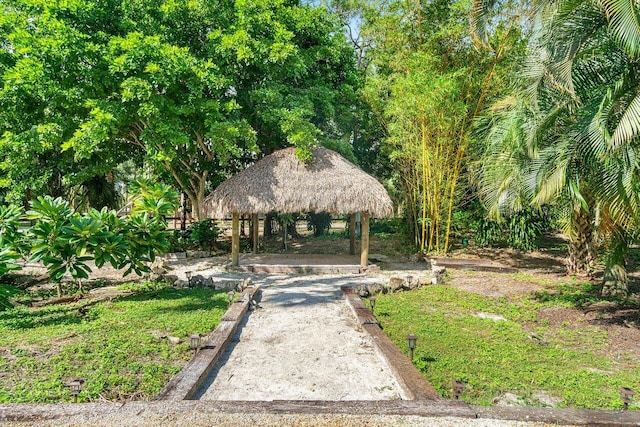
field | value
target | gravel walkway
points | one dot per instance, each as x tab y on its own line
301	344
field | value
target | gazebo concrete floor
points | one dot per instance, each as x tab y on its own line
299	263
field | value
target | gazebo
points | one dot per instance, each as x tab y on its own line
280	182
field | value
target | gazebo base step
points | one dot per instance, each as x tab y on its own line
296	269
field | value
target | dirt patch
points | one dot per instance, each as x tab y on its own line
497	284
618	324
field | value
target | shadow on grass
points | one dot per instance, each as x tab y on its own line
60	314
197	299
76	312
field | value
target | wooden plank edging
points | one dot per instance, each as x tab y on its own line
577	417
32	413
413	384
184	384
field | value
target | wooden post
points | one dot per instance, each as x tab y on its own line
352	234
364	243
256	232
183	213
235	239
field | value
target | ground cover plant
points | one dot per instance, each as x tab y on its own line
120	347
535	349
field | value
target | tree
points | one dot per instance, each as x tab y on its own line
569	134
65	240
427	86
48	71
192	89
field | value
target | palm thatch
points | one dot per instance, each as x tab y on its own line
281	183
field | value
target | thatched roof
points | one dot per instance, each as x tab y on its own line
281	183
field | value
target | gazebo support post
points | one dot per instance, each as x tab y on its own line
352	234
235	239
256	231
364	245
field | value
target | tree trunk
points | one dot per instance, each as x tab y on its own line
292	230
580	245
615	281
195	205
268	221
183	212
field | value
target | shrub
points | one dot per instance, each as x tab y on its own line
319	222
390	226
525	227
65	240
204	234
489	232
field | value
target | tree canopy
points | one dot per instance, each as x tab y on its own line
190	89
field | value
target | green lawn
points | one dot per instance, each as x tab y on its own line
498	357
116	346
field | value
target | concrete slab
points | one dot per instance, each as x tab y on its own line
299	263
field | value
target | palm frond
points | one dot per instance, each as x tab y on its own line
628	127
624	24
479	21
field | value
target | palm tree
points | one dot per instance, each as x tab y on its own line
569	133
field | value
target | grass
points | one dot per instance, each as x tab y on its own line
116	346
564	364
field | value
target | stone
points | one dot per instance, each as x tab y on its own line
426	279
419	257
375	288
412	283
197	254
181	283
198	281
225	284
396	283
243	284
362	290
439	274
371	268
174	340
208	283
494	317
174	256
160	266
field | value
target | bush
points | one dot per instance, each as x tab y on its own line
202	235
525	227
65	240
319	222
388	226
489	232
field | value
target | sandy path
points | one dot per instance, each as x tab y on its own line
302	344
